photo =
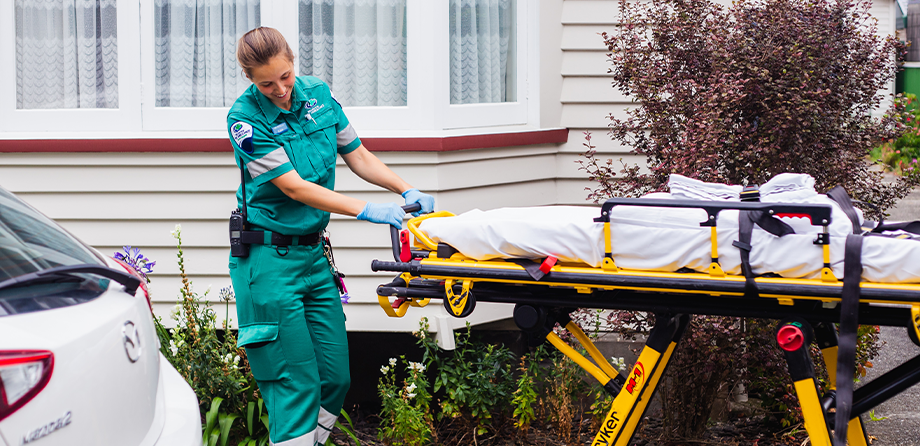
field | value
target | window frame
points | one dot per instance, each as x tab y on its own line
125	118
428	110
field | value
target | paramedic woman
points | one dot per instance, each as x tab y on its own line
286	132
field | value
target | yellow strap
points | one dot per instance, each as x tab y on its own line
387	306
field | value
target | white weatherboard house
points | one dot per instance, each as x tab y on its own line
112	117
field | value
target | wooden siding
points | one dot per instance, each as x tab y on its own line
115	199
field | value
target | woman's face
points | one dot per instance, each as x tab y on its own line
275	80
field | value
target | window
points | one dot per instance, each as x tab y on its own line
64	67
395	65
195	51
358	48
66	55
482	49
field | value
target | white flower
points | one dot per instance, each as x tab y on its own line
411	387
416	366
236	359
392	362
176	232
384	370
173	347
410	395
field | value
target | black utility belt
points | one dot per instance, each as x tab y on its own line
258	238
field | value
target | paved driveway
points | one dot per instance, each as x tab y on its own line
901	423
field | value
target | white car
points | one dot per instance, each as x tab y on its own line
79	356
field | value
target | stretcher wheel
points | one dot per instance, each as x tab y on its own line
467	309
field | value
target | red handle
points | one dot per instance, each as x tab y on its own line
405	252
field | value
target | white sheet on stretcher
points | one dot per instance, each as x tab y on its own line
667	239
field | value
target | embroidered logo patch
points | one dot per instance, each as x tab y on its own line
280	128
313	106
242	135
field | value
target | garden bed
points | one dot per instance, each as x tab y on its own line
754	430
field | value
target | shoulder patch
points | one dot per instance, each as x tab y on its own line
242	135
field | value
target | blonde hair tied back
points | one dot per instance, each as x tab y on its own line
260	45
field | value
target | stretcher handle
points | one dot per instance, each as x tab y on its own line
818	214
394	233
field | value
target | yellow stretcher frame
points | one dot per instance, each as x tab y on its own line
460	281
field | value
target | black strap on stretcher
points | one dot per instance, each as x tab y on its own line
746	221
849	317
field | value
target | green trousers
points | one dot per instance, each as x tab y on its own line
293	328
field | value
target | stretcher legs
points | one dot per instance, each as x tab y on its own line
794	337
634	391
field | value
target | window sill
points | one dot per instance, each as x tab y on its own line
216	143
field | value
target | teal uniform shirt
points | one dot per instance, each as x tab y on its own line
270	142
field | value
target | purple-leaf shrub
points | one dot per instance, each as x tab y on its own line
742	93
737	95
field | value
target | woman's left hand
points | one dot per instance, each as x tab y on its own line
415	196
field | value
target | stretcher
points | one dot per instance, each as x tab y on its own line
545	292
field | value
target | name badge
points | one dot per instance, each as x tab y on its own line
280	128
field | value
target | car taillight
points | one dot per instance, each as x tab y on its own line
23	373
143	280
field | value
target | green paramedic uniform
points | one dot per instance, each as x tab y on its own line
288	308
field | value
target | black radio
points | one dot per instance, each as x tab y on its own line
237	225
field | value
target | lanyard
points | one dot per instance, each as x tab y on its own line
336	274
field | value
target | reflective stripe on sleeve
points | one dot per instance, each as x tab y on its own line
268	162
346	136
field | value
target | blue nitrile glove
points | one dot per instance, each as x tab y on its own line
389	213
414	196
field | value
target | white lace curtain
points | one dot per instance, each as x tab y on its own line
196	51
482	53
66	54
358	47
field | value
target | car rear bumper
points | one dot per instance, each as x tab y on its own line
182	425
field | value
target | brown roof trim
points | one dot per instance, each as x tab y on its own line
406	144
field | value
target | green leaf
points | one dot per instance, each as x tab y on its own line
210	420
212	439
264	419
250	411
226	421
348	431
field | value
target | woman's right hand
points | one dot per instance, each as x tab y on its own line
383	213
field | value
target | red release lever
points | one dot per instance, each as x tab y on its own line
547	264
790	338
405	252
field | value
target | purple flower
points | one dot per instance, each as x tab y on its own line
133	258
